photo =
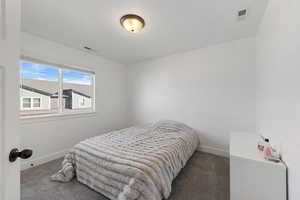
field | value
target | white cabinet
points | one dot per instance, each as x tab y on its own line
251	176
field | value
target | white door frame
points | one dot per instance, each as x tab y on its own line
1	131
10	12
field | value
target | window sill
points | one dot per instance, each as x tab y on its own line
55	117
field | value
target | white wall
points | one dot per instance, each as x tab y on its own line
211	89
50	137
278	67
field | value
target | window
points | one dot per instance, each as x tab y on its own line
52	89
26	103
36	102
77	90
82	102
30	103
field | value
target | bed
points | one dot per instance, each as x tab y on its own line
137	163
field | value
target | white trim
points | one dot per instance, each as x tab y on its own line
40	102
94	92
41	160
67	67
3	19
213	150
31	104
54	117
22	105
60	90
2	150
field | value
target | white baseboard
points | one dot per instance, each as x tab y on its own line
42	160
213	150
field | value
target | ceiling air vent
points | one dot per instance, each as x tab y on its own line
89	49
242	14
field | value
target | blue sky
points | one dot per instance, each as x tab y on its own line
42	72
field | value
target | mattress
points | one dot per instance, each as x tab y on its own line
137	163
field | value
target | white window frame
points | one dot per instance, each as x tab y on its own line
40	102
31	103
22	103
60	89
82	103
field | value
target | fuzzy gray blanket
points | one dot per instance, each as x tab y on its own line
138	163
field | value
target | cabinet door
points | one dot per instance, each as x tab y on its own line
250	179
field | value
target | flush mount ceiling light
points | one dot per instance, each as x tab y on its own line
132	23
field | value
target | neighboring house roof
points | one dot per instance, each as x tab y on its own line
76	92
50	88
35	90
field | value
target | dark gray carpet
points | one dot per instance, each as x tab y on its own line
205	177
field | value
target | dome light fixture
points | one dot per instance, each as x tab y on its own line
132	23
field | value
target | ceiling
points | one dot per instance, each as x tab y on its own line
172	26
